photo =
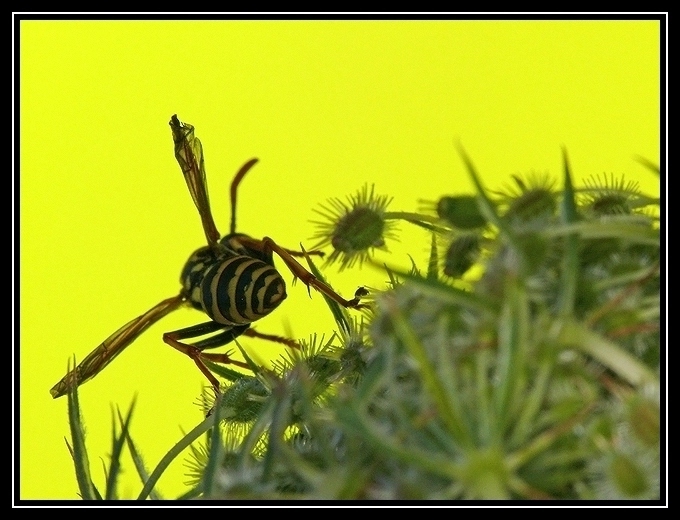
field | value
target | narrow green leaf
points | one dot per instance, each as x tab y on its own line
542	442
532	405
428	222
648	164
254	367
215	453
615	227
137	459
448	375
488	210
281	403
577	335
253	436
435	464
483	413
183	443
78	450
371	382
339	313
570	263
512	341
486	205
116	452
433	263
224	371
446	293
431	380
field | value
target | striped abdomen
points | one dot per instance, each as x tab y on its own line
234	291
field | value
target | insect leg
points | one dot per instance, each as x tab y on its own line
107	351
270	337
234	188
195	350
309	279
225	359
313	252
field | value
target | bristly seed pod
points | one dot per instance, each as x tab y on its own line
461	255
532	199
354	228
610	196
359	229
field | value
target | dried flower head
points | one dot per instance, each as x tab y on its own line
354	228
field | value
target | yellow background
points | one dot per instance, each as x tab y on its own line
107	222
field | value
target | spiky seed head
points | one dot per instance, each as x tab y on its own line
354	228
357	230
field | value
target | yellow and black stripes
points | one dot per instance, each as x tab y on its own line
237	290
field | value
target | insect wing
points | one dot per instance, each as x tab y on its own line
107	351
189	155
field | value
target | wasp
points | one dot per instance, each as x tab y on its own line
232	280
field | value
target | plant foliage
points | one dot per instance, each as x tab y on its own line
524	364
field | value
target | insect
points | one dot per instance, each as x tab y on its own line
232	280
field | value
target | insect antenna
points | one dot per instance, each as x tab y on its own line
234	186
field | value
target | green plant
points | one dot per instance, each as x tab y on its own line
523	364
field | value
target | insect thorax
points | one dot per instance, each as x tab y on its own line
231	287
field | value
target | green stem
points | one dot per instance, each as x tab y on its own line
178	448
405	215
